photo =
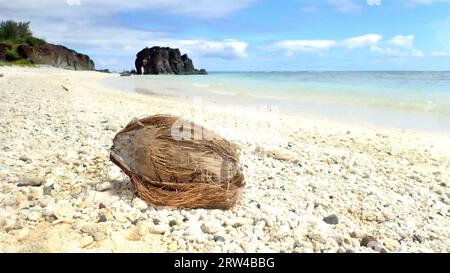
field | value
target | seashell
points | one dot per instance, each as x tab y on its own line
175	162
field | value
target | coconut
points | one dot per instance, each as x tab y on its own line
175	162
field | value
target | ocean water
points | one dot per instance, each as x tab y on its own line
408	100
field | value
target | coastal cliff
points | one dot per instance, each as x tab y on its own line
19	46
57	56
47	54
164	60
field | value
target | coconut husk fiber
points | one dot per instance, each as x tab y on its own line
169	171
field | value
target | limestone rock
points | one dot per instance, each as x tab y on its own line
164	60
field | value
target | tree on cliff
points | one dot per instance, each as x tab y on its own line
13	33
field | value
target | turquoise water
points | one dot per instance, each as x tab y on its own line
416	100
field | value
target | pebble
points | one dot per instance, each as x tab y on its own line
307	250
10	201
120	217
36	193
218	238
99	236
49	181
267	221
102	218
139	204
23	233
16	224
248	247
172	245
34	215
356	234
105	186
172	223
44	201
25	158
158	229
5	219
341	250
47	190
238	221
211	227
86	241
89	228
142	228
282	232
331	220
110	127
194	229
31	181
63	210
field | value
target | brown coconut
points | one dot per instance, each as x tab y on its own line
174	162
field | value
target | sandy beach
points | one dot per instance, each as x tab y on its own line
322	188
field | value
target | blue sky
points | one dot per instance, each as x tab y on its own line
244	35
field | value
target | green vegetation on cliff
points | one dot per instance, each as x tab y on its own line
17	33
13	34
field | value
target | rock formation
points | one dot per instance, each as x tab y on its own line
164	60
57	56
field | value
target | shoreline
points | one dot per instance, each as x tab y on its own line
388	183
224	94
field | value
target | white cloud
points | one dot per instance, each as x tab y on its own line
367	40
440	54
399	46
426	2
373	2
87	8
402	41
115	43
292	46
355	5
344	5
405	46
226	49
111	41
125	41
